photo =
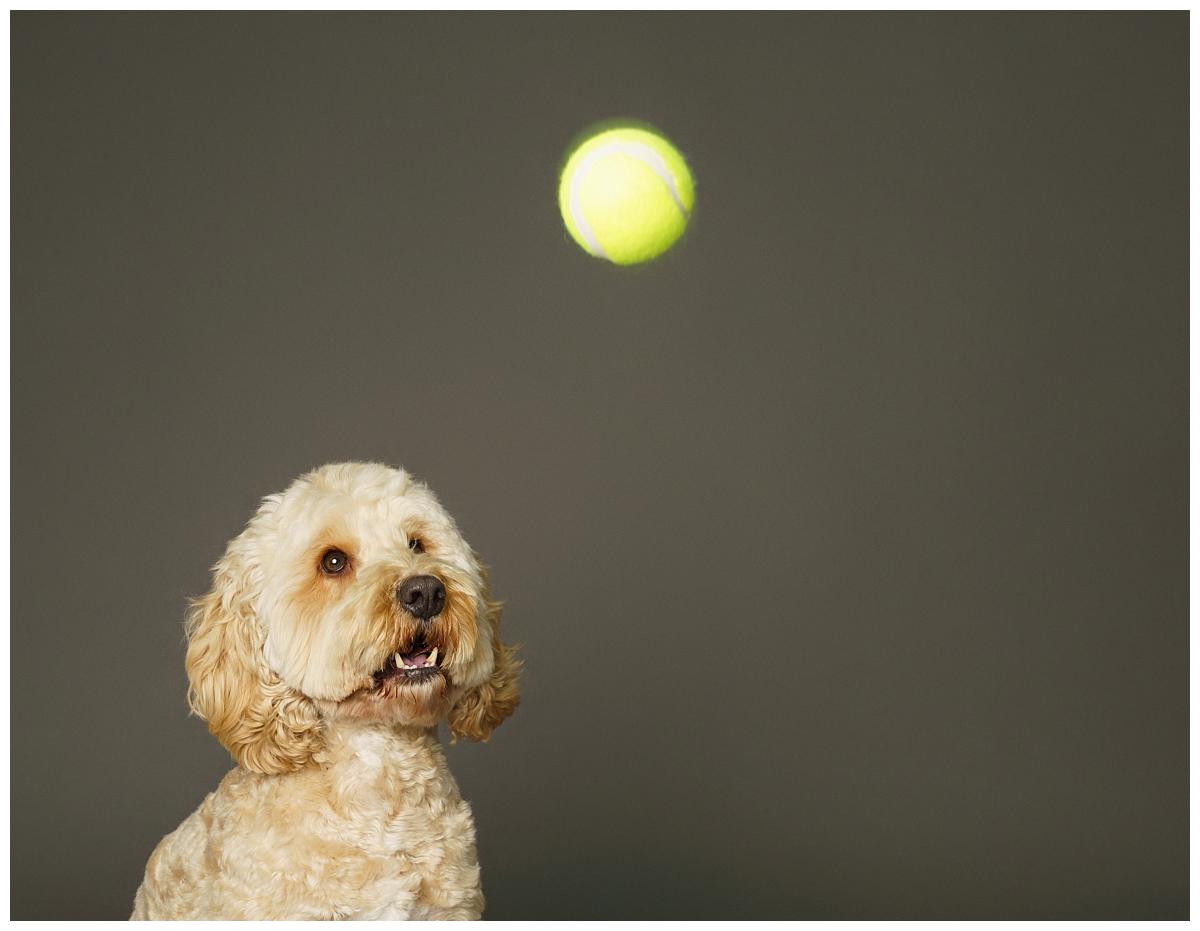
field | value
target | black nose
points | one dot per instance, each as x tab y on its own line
422	596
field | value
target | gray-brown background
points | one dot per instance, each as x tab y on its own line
847	542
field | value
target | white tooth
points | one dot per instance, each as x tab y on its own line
399	661
432	658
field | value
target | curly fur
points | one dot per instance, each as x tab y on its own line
341	805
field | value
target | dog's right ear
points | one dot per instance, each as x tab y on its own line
268	726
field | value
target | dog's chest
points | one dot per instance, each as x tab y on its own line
412	832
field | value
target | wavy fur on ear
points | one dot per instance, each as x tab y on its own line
267	726
480	710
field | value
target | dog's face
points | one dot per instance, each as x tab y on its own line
350	595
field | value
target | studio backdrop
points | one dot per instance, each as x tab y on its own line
846	542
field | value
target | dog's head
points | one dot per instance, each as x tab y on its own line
350	595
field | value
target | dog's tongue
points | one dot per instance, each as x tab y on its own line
418	658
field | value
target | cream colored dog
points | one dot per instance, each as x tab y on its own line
344	623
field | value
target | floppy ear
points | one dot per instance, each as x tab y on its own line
268	726
480	710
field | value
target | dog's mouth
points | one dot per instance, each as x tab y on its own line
419	664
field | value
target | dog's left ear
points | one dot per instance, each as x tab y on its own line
480	710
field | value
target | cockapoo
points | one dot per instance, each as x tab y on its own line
344	623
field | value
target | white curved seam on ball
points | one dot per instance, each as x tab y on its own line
657	164
644	154
581	223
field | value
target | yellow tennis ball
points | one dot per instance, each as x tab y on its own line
626	195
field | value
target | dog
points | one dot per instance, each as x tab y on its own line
344	623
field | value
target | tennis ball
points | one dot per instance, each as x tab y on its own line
626	195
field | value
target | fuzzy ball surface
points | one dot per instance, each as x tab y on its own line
626	195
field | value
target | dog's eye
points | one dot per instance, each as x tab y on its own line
334	561
416	545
